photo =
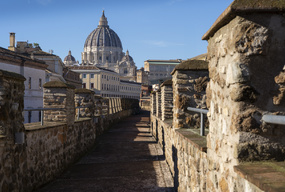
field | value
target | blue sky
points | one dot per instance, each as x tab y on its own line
149	29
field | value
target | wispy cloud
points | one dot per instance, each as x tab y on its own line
161	43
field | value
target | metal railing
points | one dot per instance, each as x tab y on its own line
274	119
42	112
202	112
47	109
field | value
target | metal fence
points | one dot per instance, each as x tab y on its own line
273	119
42	110
202	112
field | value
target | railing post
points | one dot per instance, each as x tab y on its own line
202	126
78	114
42	117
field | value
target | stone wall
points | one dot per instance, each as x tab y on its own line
166	100
158	103
246	58
13	164
190	80
153	103
32	154
187	160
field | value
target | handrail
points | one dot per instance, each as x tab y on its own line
274	119
46	109
202	112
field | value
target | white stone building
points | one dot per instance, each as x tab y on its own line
34	71
107	83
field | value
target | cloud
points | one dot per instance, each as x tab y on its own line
161	43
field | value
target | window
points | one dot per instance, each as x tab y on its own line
40	83
84	85
91	75
30	83
29	116
84	75
107	58
40	115
92	85
125	71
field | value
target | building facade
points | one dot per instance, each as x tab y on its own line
142	76
35	72
159	70
106	83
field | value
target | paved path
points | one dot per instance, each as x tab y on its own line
127	158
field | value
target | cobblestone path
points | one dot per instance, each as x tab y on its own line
126	158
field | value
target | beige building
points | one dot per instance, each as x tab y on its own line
159	70
142	76
34	72
106	83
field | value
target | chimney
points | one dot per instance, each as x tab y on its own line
12	42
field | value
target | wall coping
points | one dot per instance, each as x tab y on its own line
191	65
244	6
12	75
167	82
195	139
37	126
84	91
268	176
198	141
58	84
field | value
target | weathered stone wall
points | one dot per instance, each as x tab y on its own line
153	103
166	100
13	156
85	98
158	103
187	160
189	88
43	152
52	148
59	95
246	60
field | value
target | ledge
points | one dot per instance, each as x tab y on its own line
58	84
199	141
191	65
83	91
38	126
268	176
13	75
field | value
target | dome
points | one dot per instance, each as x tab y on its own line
69	57
127	57
103	36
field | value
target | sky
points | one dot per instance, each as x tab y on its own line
149	29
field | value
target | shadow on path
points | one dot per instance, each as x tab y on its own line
126	158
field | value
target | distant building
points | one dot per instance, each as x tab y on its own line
107	83
159	70
103	48
142	76
34	71
69	60
56	70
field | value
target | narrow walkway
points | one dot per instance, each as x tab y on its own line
127	158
